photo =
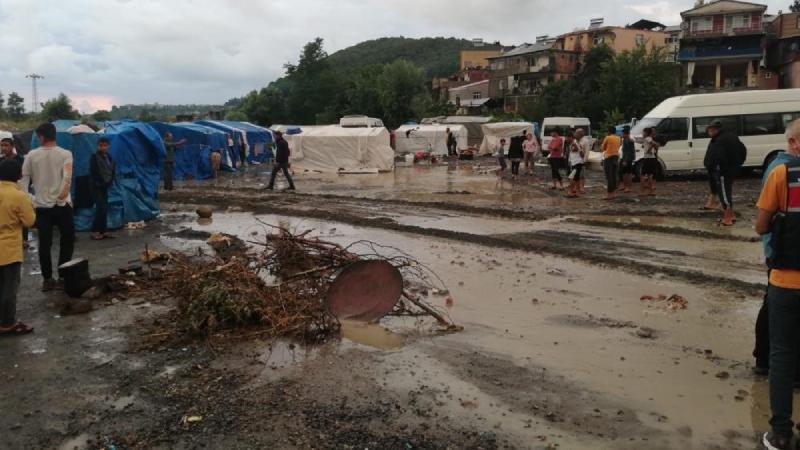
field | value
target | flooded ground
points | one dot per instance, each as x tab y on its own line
558	350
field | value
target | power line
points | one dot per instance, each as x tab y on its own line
35	101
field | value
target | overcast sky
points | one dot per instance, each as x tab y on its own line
105	52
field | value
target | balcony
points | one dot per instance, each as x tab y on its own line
696	54
720	31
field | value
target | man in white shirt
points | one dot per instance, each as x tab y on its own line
49	169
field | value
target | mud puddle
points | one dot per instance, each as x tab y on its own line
372	335
514	304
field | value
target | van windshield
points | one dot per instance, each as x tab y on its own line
647	122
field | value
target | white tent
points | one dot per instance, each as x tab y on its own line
433	138
6	134
80	129
493	132
334	149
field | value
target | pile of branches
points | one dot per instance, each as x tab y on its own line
278	288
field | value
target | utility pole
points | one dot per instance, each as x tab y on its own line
35	101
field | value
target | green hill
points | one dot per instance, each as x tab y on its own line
438	57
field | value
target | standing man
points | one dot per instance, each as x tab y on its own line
515	154
16	212
49	169
452	144
281	161
628	159
101	173
610	148
778	215
585	146
723	158
500	152
243	150
169	163
555	157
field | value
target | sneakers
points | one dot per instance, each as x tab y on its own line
772	442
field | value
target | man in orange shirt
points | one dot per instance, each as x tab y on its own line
779	216
610	148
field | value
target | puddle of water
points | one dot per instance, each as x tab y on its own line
372	335
79	442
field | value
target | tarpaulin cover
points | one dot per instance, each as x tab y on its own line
493	132
333	149
258	139
236	134
138	154
65	124
433	138
193	159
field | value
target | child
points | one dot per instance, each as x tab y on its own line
576	157
500	152
16	211
649	162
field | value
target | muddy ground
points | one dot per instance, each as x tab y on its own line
558	351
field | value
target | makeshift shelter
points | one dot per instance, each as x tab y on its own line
428	138
193	159
257	140
336	149
493	132
65	124
471	123
138	154
237	135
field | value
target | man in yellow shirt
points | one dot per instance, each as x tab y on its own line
779	216
610	148
16	211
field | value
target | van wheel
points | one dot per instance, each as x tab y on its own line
771	157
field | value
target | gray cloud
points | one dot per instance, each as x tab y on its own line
207	51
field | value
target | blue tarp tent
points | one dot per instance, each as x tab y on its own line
65	124
258	139
138	154
193	160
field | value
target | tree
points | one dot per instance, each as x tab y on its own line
312	84
400	82
795	6
16	106
101	115
236	116
58	108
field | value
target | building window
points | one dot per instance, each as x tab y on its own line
639	39
477	95
798	22
702	24
598	40
740	21
767	74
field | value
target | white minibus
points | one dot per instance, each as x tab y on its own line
758	117
562	125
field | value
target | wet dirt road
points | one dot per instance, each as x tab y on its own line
558	349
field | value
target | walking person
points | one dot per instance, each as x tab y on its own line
628	159
49	169
101	173
169	163
724	156
515	154
779	217
610	148
452	143
576	158
243	150
16	212
649	163
585	145
555	157
531	149
281	162
500	153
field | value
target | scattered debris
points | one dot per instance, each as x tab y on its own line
204	212
723	375
150	256
673	303
646	333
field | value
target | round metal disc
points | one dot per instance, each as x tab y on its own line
365	291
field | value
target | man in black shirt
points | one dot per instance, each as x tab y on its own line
169	163
281	161
452	144
723	161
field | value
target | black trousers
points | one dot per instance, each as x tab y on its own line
784	339
9	285
280	167
452	148
611	169
100	197
556	164
724	181
61	218
168	165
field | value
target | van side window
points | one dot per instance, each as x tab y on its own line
730	124
674	129
787	118
760	124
